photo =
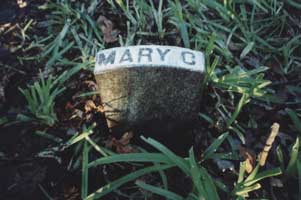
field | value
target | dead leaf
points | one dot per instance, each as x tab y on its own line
268	145
249	166
91	84
106	26
69	106
71	193
123	144
89	106
249	157
126	138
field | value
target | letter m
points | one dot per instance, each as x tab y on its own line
103	60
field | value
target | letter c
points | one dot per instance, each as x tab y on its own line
188	57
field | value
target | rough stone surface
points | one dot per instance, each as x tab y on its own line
134	96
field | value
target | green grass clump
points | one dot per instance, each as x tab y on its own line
41	97
204	185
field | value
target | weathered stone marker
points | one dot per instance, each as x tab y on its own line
149	84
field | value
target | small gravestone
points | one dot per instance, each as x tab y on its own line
149	84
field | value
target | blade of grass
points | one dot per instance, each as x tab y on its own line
291	167
48	136
85	171
159	191
248	189
244	98
180	162
242	171
299	176
280	157
45	193
127	178
202	180
96	147
262	175
294	118
214	146
196	176
132	157
247	50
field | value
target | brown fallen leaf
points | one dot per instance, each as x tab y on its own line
106	26
123	144
250	158
69	106
90	106
71	193
91	85
126	138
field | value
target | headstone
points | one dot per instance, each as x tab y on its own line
149	84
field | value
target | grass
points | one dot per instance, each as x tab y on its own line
204	186
252	80
41	99
41	96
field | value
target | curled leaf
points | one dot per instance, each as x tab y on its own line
106	26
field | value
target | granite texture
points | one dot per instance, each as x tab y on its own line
149	87
139	96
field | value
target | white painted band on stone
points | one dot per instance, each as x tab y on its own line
149	56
